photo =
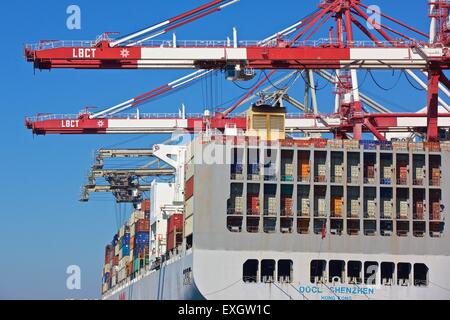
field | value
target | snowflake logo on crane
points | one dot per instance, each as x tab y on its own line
125	53
100	123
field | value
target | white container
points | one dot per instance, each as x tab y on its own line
132	230
123	262
272	205
321	207
122	232
122	275
354	171
387	205
239	204
116	250
305	207
338	171
135	216
289	169
354	208
322	169
420	173
371	209
107	268
404	208
387	172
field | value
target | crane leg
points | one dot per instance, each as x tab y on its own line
433	102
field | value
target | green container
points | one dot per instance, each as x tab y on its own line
136	265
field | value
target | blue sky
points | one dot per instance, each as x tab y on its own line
44	227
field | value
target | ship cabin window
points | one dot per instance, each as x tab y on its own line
336	271
318	268
403	274
250	273
354	272
285	269
267	271
370	272
420	275
387	273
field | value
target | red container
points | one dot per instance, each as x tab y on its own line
436	211
371	171
287	143
175	223
174	231
253	204
108	254
145	206
319	143
436	181
433	146
143	225
287	204
189	189
174	239
419	210
303	143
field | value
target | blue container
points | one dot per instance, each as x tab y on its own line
385	145
142	238
126	250
369	144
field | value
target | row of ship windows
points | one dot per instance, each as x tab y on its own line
339	272
336	226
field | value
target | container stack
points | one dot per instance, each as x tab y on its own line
175	231
336	206
322	173
288	172
354	208
321	207
400	145
436	177
354	173
370	173
271	205
351	144
253	204
371	209
436	211
305	207
253	172
239	205
304	167
387	212
403	173
387	175
404	208
420	175
419	210
287	205
335	143
338	173
369	144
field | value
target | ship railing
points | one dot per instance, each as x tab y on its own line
319	43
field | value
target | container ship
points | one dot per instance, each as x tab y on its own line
264	216
258	205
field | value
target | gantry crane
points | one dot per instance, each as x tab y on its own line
386	49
